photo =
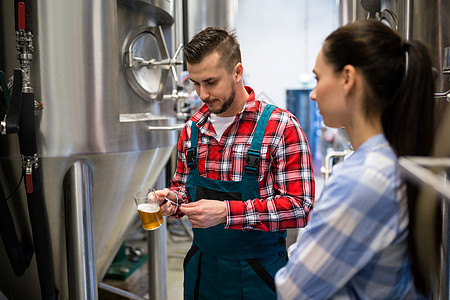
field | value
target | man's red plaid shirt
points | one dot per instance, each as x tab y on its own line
285	172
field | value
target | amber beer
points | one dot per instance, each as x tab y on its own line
150	214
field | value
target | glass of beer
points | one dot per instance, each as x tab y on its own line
148	209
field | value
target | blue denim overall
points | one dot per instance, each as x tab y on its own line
225	263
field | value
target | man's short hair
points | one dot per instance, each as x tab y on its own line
214	39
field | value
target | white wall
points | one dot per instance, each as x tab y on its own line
280	40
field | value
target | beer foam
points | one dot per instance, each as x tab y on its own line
148	207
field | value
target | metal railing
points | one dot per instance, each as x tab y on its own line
431	175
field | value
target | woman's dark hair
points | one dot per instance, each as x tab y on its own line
400	89
402	95
214	39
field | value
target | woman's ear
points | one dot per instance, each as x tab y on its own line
349	75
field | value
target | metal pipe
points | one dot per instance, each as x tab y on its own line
81	263
119	292
167	128
420	175
157	263
328	167
408	19
445	95
431	186
444	267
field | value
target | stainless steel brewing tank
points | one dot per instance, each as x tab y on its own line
414	19
350	10
204	13
78	74
428	21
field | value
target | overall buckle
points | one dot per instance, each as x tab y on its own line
252	161
191	157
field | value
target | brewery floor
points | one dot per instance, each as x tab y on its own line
137	282
178	243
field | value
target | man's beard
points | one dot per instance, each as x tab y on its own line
226	105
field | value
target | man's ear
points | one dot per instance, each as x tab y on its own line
349	74
238	71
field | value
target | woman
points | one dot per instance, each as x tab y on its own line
380	89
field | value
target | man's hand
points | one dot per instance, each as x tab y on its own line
205	213
168	208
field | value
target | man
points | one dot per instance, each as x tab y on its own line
244	175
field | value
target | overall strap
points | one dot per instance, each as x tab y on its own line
191	152
253	155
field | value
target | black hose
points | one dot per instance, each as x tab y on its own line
13	116
19	257
41	238
35	198
4	84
